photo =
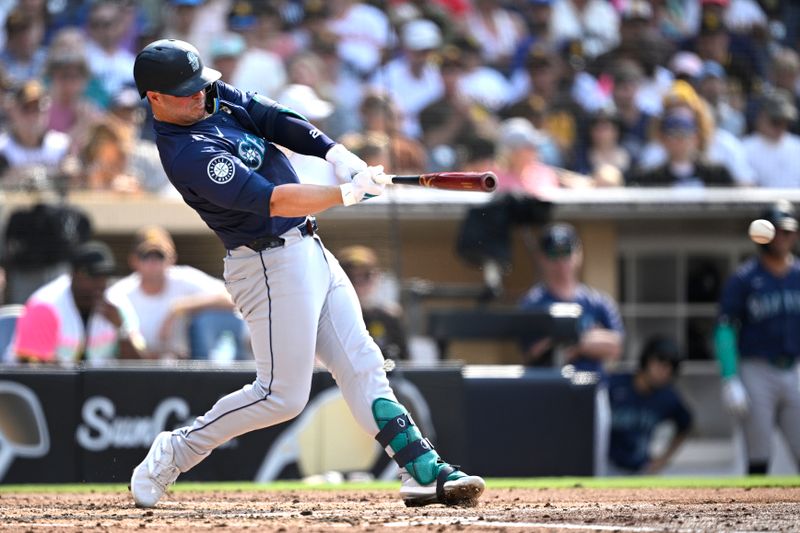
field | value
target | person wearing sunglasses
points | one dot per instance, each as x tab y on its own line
181	310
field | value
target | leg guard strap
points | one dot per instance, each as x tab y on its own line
393	428
412	451
441	478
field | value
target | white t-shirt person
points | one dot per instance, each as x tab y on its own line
153	310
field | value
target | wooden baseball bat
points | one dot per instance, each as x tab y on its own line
453	181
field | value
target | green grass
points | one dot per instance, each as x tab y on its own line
495	483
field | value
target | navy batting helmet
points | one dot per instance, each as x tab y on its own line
171	67
782	215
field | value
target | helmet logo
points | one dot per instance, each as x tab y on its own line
221	169
194	61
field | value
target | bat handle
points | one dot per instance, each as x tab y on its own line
383	179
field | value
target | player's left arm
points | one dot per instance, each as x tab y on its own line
604	341
682	418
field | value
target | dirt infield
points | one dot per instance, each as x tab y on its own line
581	509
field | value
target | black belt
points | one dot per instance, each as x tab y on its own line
307	229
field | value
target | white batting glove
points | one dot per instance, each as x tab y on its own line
363	185
345	163
734	395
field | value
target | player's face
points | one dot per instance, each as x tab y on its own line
181	110
659	373
783	243
88	290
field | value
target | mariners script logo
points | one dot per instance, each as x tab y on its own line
221	169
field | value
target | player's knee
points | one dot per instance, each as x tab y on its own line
293	405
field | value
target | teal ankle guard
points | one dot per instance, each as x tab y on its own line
411	450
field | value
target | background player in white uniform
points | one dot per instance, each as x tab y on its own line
216	145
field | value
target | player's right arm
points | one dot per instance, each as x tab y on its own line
731	311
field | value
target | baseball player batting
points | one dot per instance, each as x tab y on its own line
216	145
757	341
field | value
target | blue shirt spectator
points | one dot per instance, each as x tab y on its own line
642	401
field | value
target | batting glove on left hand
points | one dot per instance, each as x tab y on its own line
363	186
345	163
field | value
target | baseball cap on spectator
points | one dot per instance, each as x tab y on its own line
711	24
637	10
519	133
778	105
782	215
686	64
679	119
153	239
304	100
228	45
30	96
186	2
559	240
66	59
93	258
241	16
541	2
722	3
357	256
712	69
421	34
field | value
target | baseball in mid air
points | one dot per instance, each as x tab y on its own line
761	231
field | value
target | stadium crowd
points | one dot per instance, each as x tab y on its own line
620	92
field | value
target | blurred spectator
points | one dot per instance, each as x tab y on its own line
519	166
71	111
559	113
602	147
642	401
559	259
303	100
785	75
677	19
480	83
127	113
29	147
594	22
70	319
683	140
105	159
452	119
269	31
712	85
379	116
497	30
23	56
634	123
363	33
181	22
108	60
537	16
254	61
384	319
757	344
167	299
772	151
735	53
413	80
715	145
226	50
